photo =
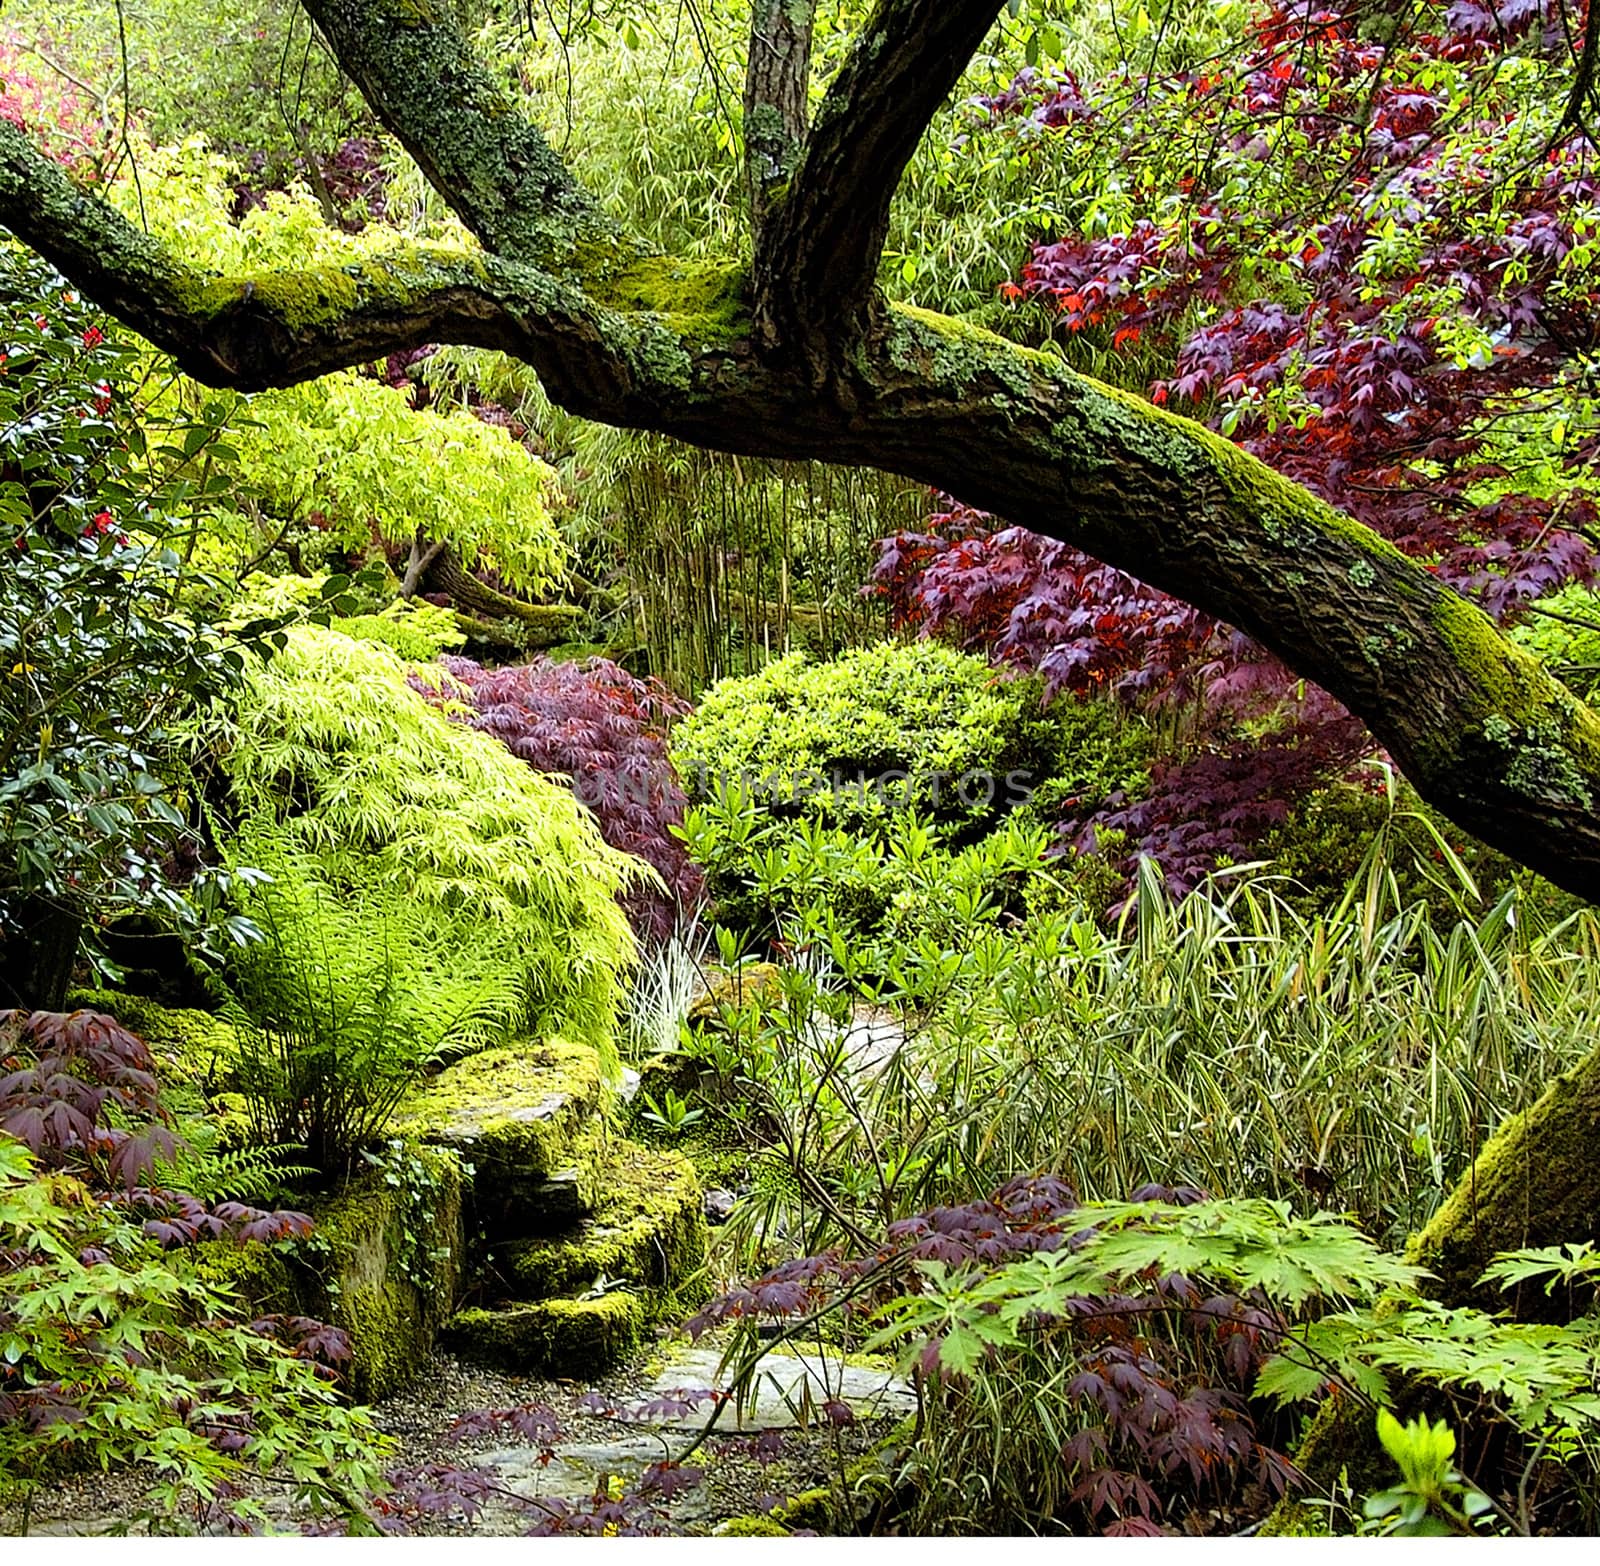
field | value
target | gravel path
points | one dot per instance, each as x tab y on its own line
741	1474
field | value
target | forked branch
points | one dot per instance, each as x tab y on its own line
817	261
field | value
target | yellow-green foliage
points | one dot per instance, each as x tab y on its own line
330	753
352	451
794	727
417	630
345	452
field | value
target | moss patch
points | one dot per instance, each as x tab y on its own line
192	1048
750	1526
696	297
647	1229
258	1274
520	1107
387	1269
1536	1182
573	1338
756	983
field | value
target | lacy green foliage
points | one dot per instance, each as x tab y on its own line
417	630
203	1402
336	457
1248	1246
352	992
332	754
343	454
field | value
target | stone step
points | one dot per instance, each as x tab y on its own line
566	1316
788	1388
646	1229
573	1338
524	1116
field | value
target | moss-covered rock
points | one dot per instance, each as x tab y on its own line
750	1526
392	1247
1536	1182
756	982
261	1275
192	1048
520	1115
647	1229
572	1338
384	1264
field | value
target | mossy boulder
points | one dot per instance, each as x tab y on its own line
192	1048
750	983
576	1338
750	1526
1536	1182
647	1229
521	1115
263	1276
384	1264
388	1260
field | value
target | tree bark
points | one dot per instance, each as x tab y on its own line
776	109
1535	1183
36	963
540	625
818	249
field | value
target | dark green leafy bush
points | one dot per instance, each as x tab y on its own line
98	661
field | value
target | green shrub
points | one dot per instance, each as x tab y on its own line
877	730
332	757
872	785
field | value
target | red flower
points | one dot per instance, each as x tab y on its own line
93	337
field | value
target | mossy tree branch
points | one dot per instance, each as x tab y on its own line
818	254
653	343
494	168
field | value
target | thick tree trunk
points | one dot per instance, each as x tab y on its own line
539	625
1536	1183
36	963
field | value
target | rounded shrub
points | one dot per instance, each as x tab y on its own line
892	728
886	784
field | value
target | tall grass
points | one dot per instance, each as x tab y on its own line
1354	1060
